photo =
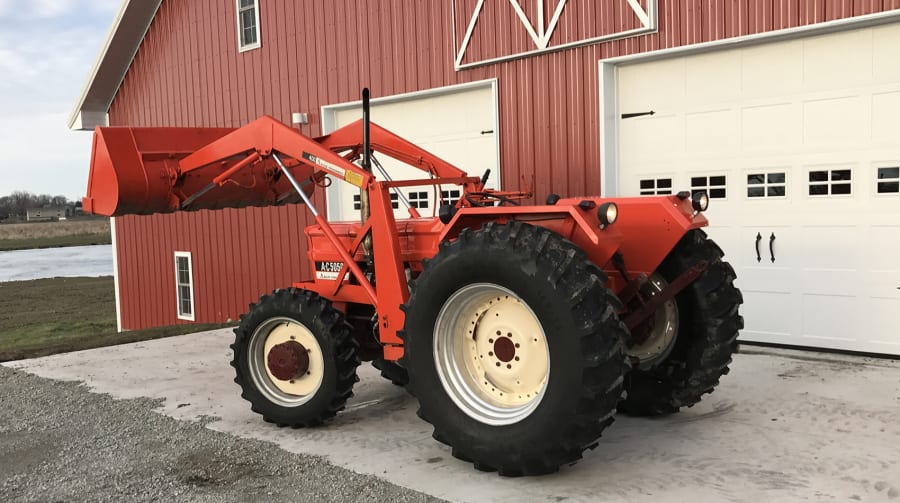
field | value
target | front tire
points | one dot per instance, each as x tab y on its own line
707	329
514	349
294	358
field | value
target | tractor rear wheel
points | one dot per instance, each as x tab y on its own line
705	322
514	349
294	358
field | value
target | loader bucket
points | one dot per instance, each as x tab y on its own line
138	171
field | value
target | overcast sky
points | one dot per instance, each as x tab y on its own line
47	49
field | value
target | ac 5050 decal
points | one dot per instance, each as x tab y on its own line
328	270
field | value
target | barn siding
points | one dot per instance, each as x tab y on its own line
188	72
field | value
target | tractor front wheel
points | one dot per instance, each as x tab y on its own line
294	358
514	349
695	336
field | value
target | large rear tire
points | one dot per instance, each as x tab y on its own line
706	336
514	349
294	358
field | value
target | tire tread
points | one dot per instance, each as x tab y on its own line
306	304
539	251
682	379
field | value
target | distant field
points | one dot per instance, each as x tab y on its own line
25	236
47	316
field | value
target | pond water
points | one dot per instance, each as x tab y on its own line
56	262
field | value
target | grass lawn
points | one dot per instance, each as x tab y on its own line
55	242
24	236
47	316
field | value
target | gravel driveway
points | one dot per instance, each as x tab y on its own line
59	442
784	426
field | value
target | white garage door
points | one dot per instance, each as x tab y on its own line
798	144
456	125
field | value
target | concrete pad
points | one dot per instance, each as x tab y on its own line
783	426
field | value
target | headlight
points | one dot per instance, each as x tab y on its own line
700	201
608	213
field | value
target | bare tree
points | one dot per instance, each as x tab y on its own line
17	203
20	201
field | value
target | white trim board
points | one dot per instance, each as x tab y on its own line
608	86
541	33
329	112
124	39
115	254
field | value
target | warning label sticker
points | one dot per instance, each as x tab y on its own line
328	270
349	176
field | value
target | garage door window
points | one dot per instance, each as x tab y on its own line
357	204
889	180
771	184
713	186
656	186
418	199
833	182
450	197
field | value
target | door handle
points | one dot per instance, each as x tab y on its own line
758	239
637	114
772	247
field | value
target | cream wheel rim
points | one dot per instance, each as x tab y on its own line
290	392
665	327
491	354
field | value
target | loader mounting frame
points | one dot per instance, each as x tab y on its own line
267	162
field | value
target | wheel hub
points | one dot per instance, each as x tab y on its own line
504	349
288	360
287	364
652	340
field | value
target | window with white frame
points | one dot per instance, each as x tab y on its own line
248	24
184	285
830	182
767	184
357	201
889	180
713	186
450	196
656	186
418	199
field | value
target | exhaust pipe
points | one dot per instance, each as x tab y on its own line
365	210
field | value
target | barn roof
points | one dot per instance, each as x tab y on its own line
122	43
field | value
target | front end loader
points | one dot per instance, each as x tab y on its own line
520	329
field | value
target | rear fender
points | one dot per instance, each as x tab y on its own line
568	220
652	226
647	228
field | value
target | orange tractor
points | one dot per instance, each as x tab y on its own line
520	329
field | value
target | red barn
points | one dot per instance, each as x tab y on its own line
784	111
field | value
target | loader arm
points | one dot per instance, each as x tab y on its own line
160	170
388	143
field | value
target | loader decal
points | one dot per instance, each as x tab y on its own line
348	176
